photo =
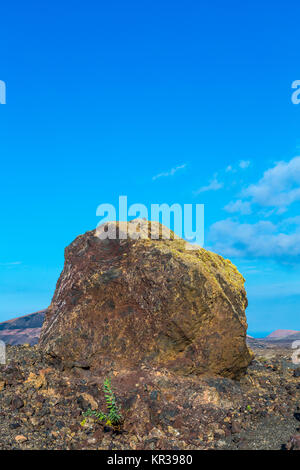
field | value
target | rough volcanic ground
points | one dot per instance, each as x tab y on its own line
41	406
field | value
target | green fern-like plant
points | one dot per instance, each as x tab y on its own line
114	417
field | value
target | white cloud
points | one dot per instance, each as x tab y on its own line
170	172
243	164
262	239
279	187
270	196
239	206
213	185
290	222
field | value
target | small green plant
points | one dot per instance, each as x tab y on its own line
114	417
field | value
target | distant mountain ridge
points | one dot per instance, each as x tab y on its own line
279	338
285	340
25	329
278	334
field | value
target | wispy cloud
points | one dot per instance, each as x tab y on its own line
273	194
243	164
213	185
170	172
239	206
262	239
11	263
279	187
230	169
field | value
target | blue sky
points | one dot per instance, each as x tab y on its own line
104	96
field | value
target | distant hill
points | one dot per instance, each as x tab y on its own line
25	329
281	334
287	340
278	339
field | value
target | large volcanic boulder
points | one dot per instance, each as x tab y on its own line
158	302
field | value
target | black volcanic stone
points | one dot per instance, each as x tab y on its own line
17	403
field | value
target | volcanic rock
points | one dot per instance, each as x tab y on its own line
294	443
133	302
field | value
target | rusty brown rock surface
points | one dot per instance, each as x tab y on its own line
132	302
